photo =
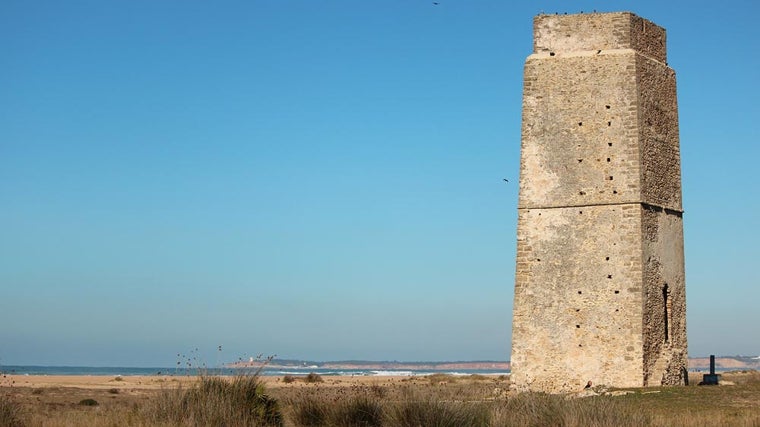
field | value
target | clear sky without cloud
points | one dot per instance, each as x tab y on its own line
320	179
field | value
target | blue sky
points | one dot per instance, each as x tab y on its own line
319	179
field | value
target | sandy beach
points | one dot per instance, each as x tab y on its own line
51	397
157	382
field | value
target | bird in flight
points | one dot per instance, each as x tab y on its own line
506	180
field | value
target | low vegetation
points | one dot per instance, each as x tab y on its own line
10	413
414	402
427	411
553	410
216	401
313	378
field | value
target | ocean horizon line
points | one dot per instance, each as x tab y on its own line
278	362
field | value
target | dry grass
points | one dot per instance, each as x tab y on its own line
426	411
10	413
552	410
216	401
313	378
412	402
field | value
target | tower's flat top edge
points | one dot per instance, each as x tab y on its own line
598	31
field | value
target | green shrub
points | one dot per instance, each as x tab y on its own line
313	378
287	379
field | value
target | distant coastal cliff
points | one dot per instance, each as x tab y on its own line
370	365
725	362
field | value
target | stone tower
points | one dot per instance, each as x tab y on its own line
599	287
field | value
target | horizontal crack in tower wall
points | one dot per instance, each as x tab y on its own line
645	205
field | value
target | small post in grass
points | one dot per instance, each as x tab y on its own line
712	378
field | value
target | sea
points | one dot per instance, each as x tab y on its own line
116	371
295	371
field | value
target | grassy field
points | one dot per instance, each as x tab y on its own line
436	400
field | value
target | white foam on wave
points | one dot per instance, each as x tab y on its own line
326	373
392	373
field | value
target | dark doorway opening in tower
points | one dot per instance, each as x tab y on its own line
667	313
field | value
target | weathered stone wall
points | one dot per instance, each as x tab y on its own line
580	130
658	134
599	213
595	31
664	333
578	300
665	359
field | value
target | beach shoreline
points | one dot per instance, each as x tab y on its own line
157	382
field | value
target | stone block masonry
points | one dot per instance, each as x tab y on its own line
599	288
